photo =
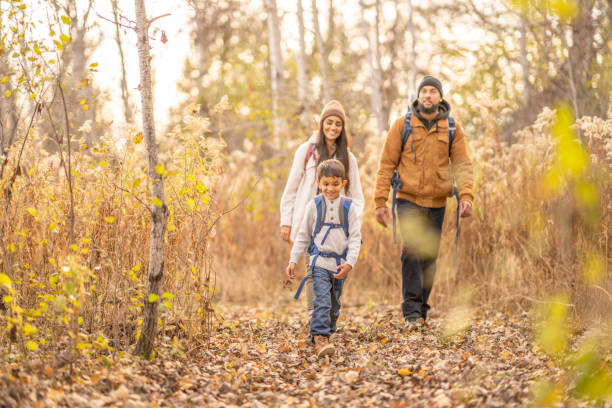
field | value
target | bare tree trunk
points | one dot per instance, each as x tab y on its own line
413	54
159	213
525	63
375	79
127	111
276	65
321	47
302	75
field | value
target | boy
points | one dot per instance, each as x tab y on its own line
332	237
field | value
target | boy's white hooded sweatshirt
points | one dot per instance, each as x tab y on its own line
301	186
336	240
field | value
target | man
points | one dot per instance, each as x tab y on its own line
425	172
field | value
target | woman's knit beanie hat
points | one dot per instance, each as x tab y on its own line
333	108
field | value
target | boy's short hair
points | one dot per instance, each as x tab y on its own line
330	168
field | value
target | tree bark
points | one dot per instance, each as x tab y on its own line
375	78
525	62
413	54
302	69
127	111
321	46
276	66
159	213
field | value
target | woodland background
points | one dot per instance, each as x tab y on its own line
530	80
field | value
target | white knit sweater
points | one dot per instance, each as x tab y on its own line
301	187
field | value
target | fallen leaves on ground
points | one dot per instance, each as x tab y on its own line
259	358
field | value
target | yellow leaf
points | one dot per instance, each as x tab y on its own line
383	341
82	102
8	94
29	330
110	220
4	80
31	345
93	65
52	261
65	38
7	299
85	107
36	49
153	297
191	204
138	138
66	20
159	169
32	211
5	280
421	373
404	371
157	202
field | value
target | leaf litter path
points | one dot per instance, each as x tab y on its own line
260	358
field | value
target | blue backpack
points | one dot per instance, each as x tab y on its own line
396	182
313	250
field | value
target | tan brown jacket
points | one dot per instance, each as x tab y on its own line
426	176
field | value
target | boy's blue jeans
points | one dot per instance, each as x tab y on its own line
327	291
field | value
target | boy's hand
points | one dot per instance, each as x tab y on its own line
291	270
343	270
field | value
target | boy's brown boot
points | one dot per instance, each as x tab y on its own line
323	347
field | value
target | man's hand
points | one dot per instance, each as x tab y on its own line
291	270
382	216
465	209
286	233
343	270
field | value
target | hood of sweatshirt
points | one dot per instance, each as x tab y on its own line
443	111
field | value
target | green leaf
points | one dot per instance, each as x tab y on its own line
153	297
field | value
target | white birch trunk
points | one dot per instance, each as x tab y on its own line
525	63
375	80
127	111
322	52
413	54
159	214
276	66
302	69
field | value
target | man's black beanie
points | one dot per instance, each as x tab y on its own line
430	81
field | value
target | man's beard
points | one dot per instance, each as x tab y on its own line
431	109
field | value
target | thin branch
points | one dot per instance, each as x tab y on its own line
117	22
133	195
156	18
233	208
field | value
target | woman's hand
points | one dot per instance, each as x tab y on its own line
285	233
465	209
291	270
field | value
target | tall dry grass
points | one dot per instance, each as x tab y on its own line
523	243
87	296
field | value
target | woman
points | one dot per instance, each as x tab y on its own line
330	141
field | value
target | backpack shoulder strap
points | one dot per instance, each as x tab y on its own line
406	130
451	133
310	153
320	205
345	203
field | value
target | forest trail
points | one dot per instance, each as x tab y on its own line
261	358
